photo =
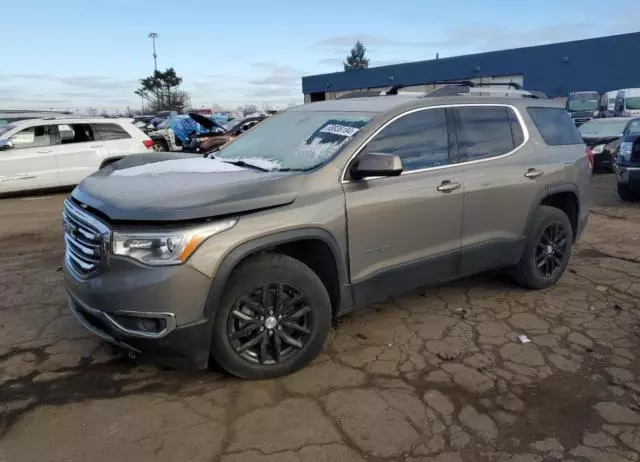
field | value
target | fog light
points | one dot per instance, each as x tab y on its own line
148	325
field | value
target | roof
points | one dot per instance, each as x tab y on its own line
69	120
555	69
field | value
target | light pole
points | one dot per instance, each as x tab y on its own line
153	36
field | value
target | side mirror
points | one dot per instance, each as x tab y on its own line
376	164
5	144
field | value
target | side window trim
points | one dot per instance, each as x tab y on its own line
448	107
452	132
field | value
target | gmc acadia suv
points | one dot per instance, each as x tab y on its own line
247	256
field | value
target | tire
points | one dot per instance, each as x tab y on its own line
528	273
287	279
626	194
160	146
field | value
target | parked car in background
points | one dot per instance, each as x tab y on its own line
628	103
603	137
628	168
233	128
49	153
583	106
317	211
608	104
177	132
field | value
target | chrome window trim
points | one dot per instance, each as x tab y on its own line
523	126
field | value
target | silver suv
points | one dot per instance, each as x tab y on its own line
245	257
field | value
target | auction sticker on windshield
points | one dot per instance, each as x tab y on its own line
337	129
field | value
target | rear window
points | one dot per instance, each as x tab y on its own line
555	126
108	132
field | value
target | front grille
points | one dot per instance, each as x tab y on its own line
84	238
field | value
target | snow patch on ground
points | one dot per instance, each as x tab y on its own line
178	166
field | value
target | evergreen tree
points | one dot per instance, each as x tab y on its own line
356	59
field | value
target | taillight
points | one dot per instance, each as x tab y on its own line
148	144
589	153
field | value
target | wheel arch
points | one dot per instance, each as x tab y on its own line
565	197
289	243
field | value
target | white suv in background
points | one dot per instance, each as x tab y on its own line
50	153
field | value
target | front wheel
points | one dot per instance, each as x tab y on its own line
274	318
547	251
160	146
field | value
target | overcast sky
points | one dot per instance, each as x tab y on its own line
78	53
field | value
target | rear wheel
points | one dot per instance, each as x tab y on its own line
627	194
547	250
274	318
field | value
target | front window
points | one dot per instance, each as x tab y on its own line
5	128
634	128
633	103
296	140
35	137
602	128
575	105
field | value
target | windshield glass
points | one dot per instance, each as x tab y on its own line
602	128
583	105
295	140
4	128
633	102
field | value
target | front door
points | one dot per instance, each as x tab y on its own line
404	231
31	162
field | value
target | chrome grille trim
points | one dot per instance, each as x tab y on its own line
86	239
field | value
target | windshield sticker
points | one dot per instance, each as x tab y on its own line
342	130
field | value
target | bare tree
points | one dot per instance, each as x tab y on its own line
92	111
248	109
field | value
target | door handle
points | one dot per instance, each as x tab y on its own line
44	151
447	186
532	173
96	145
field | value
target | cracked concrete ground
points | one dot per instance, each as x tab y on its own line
435	376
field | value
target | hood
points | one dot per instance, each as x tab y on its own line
206	122
594	141
178	187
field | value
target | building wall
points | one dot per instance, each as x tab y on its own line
602	64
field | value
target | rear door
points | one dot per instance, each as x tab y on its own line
31	163
500	175
116	139
79	153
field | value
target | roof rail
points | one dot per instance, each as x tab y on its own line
472	89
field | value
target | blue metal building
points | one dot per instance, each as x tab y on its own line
601	64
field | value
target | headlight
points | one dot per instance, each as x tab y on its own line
166	248
625	152
598	149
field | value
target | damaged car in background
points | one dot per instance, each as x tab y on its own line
603	137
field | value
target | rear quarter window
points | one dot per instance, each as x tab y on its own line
555	126
108	132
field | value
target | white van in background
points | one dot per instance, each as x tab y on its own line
59	152
608	104
628	103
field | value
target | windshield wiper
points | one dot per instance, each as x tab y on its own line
242	163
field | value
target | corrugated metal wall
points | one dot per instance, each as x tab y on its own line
602	64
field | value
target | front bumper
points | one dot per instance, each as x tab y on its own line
629	176
109	303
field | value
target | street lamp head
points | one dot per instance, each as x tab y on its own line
153	35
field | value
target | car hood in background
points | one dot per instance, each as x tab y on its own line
594	141
177	187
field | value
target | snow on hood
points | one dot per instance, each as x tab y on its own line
200	165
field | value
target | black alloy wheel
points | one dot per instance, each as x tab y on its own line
551	249
270	324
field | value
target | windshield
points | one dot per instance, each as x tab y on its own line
4	128
633	102
602	128
575	105
295	140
